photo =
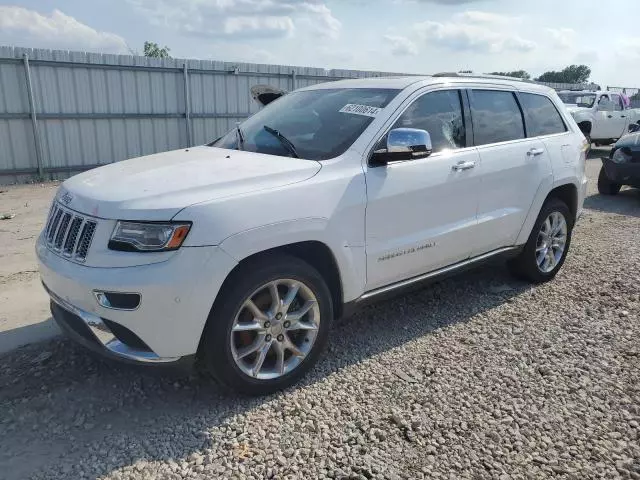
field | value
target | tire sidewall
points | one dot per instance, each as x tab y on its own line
605	185
216	346
529	252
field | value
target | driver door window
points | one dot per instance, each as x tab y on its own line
440	114
604	104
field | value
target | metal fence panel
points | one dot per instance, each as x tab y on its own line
92	109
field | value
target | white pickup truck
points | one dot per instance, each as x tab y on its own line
601	116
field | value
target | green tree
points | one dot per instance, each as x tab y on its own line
152	49
516	74
570	74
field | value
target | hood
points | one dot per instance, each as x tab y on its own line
631	140
156	187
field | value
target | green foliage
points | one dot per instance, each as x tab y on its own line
516	74
152	49
570	74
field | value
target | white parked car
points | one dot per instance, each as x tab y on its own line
241	253
601	116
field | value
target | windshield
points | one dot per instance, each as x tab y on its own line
578	98
319	124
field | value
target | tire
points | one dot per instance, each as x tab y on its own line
225	341
526	265
606	186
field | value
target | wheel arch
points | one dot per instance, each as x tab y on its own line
585	126
319	256
566	190
568	193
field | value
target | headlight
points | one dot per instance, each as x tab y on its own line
148	237
620	156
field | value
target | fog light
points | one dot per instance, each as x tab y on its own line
117	300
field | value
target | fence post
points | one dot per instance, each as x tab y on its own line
187	103
34	118
294	80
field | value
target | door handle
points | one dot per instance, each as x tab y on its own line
458	167
609	116
623	116
534	152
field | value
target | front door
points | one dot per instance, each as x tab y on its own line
620	120
421	213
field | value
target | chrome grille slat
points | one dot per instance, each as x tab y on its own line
69	233
86	236
62	231
53	228
72	236
52	212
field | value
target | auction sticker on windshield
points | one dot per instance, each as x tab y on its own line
365	110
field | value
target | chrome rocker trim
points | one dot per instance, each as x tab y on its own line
107	339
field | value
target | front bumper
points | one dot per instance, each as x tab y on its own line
622	173
92	332
176	298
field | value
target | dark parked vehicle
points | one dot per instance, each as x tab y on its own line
622	167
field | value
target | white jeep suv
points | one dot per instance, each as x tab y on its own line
241	253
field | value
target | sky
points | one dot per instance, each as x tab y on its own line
409	36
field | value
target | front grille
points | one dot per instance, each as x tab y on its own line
68	233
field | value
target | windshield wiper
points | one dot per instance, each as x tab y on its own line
286	143
240	136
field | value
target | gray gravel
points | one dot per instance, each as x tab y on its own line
475	377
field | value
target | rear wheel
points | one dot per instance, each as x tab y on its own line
268	326
606	186
546	249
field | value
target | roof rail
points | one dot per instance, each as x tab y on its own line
480	75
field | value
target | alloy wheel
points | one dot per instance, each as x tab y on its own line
275	329
551	242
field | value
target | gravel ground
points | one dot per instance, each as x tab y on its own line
475	377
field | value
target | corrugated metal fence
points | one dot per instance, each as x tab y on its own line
62	112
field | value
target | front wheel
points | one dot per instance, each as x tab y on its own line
546	249
268	325
606	186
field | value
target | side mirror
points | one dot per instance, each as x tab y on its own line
403	144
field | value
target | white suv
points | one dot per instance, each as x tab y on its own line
241	253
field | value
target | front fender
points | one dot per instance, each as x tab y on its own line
349	258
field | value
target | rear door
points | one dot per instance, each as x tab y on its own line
511	169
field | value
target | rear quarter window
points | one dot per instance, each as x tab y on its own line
496	116
543	117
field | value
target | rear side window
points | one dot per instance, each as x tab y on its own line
440	114
496	116
542	116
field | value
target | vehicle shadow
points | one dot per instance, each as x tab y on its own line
58	402
25	334
627	202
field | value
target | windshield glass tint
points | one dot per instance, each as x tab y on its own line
578	98
320	124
